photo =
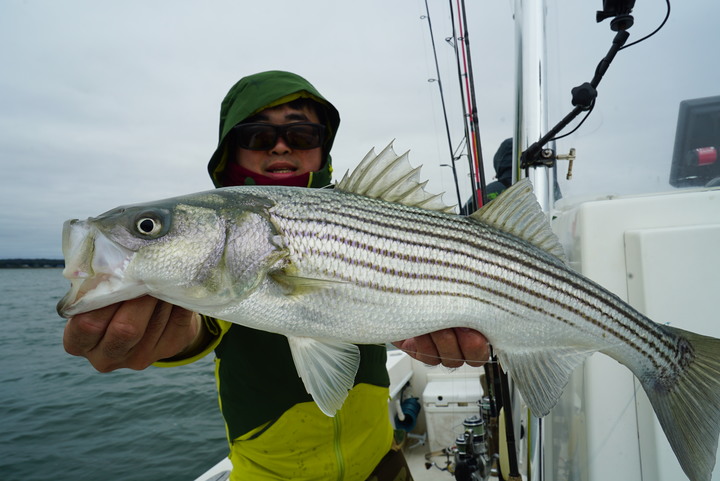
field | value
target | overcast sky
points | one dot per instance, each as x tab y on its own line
116	102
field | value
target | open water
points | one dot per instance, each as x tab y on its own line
62	420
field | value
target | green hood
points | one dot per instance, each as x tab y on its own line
258	92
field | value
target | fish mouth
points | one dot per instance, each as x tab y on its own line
95	267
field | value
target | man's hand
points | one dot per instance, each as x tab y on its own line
451	347
131	334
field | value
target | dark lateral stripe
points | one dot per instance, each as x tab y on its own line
471	228
531	264
527	267
351	262
513	250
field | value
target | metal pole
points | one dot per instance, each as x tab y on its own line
531	116
531	121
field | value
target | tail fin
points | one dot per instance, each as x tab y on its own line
690	412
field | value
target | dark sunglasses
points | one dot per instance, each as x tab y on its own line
261	136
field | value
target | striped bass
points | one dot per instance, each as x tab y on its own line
377	259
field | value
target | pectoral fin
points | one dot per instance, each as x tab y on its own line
296	285
327	369
541	376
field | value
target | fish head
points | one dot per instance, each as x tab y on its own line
192	251
95	266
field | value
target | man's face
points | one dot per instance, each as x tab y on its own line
281	161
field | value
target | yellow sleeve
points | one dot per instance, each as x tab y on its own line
215	328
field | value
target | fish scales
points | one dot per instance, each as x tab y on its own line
373	262
375	246
485	244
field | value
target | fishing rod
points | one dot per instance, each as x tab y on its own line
474	144
498	387
470	461
461	47
442	101
473	203
468	102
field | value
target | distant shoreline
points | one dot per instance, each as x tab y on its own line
31	263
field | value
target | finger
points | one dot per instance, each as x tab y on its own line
474	346
84	332
180	328
421	348
142	345
447	346
126	330
426	350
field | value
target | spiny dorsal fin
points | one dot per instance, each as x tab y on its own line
391	178
517	212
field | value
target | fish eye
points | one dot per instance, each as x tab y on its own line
148	226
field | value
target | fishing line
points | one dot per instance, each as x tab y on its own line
443	358
492	359
619	418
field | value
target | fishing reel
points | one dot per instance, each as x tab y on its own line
472	459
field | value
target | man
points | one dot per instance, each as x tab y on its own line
275	129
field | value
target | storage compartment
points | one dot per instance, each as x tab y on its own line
447	401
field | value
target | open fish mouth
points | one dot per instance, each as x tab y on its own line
95	267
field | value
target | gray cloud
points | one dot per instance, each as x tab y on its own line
110	103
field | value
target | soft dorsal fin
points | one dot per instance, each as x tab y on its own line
390	177
517	212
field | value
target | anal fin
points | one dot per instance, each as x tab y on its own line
327	369
541	375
